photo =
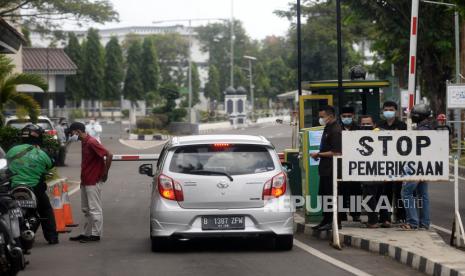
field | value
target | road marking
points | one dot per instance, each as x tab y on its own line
330	259
442	229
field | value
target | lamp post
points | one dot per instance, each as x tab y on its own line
457	67
340	90
252	97
189	20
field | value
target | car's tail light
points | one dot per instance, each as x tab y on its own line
275	187
169	188
51	132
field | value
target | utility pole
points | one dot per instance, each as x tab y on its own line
190	71
232	43
340	90
252	97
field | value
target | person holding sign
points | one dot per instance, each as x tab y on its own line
331	145
392	122
350	189
420	115
375	190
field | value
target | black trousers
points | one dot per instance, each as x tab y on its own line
326	189
394	190
376	191
349	189
45	211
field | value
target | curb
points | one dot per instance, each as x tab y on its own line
154	137
401	255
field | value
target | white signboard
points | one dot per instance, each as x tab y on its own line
395	155
455	96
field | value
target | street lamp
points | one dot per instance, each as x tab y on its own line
250	59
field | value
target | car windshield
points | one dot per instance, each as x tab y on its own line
21	124
224	158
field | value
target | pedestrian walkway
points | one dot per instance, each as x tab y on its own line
422	250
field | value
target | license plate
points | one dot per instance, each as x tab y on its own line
223	222
26	203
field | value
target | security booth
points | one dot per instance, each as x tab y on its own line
363	95
235	104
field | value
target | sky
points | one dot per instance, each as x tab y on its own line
257	15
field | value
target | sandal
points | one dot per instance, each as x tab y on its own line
407	227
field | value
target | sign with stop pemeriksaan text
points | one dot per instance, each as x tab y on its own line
395	155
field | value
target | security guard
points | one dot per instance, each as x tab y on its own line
30	164
331	145
392	122
349	189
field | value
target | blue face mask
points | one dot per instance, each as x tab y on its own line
389	114
346	121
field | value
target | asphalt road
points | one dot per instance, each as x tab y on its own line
125	247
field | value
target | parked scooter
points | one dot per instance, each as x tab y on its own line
11	254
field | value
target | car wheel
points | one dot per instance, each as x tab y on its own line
160	243
284	242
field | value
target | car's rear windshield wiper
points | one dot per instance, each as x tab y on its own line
211	173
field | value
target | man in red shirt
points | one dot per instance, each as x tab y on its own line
96	162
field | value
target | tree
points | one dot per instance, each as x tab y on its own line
391	42
278	74
8	93
150	70
261	81
44	15
216	39
173	52
212	87
114	72
93	70
74	91
133	87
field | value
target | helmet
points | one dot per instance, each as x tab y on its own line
441	117
420	112
32	134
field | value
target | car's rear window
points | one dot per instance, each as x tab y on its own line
21	124
231	159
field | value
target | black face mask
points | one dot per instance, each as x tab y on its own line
366	127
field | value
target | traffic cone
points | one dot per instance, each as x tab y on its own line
68	213
57	206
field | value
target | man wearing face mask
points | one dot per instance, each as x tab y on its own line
96	162
421	116
392	122
331	145
349	189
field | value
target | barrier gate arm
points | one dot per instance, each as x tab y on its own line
136	157
457	231
336	243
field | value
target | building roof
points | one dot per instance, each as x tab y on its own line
47	61
10	38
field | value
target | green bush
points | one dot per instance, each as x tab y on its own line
125	113
178	114
145	123
9	137
76	114
160	120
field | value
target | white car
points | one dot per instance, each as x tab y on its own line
216	186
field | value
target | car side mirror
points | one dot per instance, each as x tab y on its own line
146	169
287	166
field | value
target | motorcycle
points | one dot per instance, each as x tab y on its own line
11	254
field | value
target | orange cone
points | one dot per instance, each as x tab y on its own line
58	210
68	213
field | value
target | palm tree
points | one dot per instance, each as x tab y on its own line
8	93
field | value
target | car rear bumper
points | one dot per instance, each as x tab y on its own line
178	222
